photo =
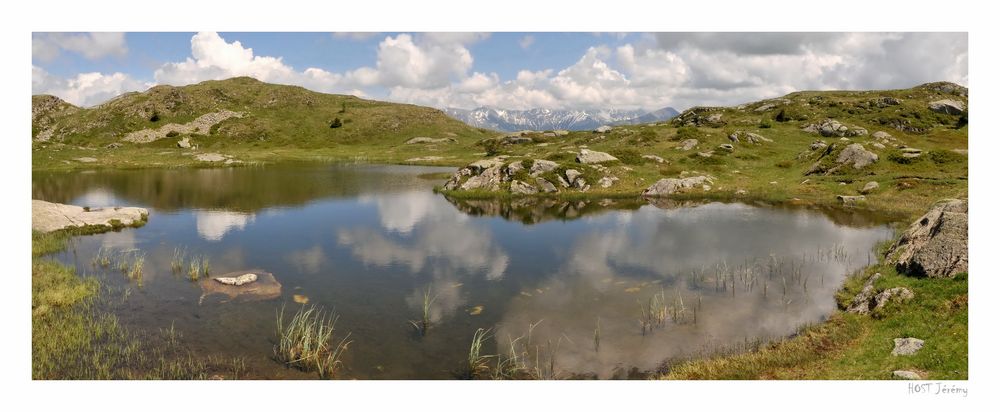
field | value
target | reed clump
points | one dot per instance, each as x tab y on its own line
307	342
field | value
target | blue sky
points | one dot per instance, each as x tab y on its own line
509	70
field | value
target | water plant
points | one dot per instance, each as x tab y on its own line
177	261
102	258
477	362
194	269
424	323
653	313
135	269
307	342
597	336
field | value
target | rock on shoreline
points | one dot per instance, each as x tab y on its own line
48	216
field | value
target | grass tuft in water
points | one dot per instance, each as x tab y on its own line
424	323
194	269
307	342
477	363
177	261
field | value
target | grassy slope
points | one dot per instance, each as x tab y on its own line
906	188
282	123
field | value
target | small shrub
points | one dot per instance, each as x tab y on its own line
155	117
628	156
492	146
897	157
764	124
336	123
945	156
686	132
560	157
172	133
784	164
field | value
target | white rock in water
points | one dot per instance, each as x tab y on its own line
238	280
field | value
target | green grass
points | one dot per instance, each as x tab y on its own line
307	342
424	323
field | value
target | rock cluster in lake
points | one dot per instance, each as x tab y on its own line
533	176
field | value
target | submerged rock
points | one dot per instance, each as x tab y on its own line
937	244
238	280
47	216
265	287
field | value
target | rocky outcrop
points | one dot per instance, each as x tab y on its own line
200	125
850	200
688	144
47	216
748	137
665	187
184	143
590	157
427	140
869	188
908	375
264	286
947	106
654	158
856	156
524	177
867	301
700	116
937	244
833	128
906	346
602	129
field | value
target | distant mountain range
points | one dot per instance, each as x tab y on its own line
547	119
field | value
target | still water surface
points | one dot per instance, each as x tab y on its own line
367	241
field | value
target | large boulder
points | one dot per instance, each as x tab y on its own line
589	156
521	188
906	346
947	106
937	244
602	129
665	187
48	216
856	156
542	166
489	180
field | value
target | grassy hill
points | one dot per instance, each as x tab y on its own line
778	170
292	121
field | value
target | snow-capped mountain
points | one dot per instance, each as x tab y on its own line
547	119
